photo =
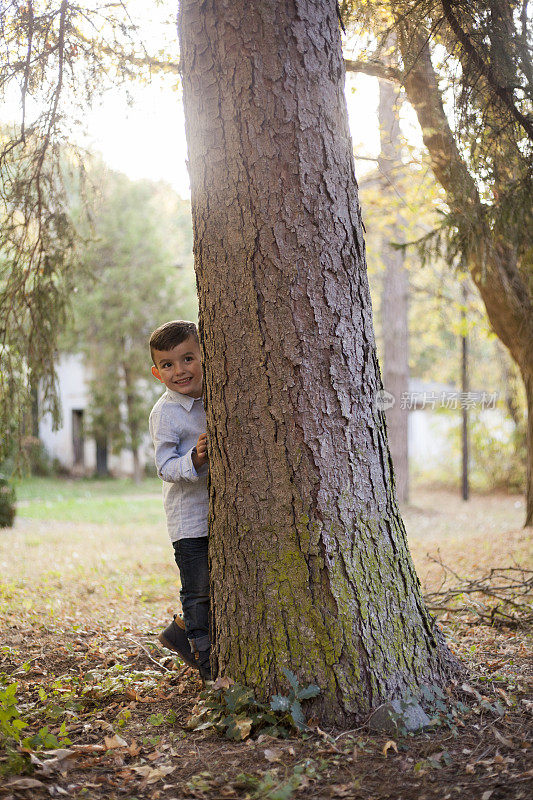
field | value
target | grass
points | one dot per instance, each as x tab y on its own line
117	502
103	545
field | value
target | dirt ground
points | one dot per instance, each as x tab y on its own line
80	608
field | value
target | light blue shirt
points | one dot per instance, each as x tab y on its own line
176	422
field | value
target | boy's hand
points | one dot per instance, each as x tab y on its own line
199	453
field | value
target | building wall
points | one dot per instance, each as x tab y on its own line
59	444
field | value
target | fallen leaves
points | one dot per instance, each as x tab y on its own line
391	744
25	783
273	754
154	774
112	742
61	761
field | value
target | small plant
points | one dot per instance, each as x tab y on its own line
270	787
232	709
11	724
291	703
102	684
44	740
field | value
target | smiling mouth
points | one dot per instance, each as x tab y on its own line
184	380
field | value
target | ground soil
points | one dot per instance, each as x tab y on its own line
88	661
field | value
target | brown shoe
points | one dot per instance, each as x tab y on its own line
175	638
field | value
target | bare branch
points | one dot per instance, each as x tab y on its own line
378	69
27	70
504	595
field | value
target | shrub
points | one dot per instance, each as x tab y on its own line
7	503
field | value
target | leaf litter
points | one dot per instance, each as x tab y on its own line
107	713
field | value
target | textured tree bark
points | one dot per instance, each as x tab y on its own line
395	292
527	377
309	564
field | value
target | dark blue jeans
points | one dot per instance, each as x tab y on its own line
192	559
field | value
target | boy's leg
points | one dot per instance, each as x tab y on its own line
192	559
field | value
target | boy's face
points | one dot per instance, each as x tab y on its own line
180	369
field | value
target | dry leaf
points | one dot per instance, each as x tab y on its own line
222	683
153	775
134	749
143	771
25	783
502	739
470	769
388	745
114	741
487	794
273	754
59	762
244	726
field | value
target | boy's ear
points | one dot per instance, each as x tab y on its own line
155	373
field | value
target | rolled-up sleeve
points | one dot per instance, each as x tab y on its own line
171	467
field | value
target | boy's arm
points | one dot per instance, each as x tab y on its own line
170	466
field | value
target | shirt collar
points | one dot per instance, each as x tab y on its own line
182	399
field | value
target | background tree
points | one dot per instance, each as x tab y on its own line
395	291
321	579
480	153
57	56
134	272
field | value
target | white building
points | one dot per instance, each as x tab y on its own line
69	445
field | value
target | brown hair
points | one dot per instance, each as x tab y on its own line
168	335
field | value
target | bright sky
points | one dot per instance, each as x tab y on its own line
146	139
144	136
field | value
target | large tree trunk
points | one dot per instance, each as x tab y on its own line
309	562
528	383
395	292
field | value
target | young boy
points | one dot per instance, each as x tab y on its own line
177	427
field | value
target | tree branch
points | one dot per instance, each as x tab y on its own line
485	69
27	70
492	268
375	68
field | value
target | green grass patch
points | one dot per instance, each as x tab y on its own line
117	502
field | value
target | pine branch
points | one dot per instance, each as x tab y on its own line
485	69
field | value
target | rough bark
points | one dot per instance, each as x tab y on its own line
309	563
395	292
528	383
